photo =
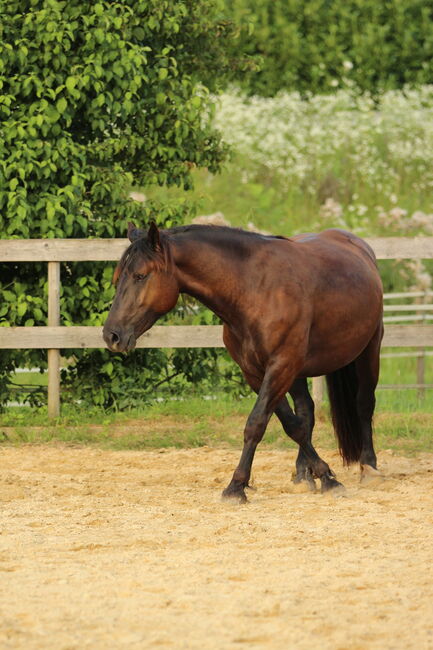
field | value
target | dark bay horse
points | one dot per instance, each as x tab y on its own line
292	308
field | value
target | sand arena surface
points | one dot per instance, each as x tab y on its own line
104	549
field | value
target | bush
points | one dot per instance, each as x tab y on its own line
96	98
316	46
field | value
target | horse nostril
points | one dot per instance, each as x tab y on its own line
115	338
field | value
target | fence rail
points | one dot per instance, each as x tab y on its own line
54	337
105	250
171	336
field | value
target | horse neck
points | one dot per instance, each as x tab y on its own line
204	272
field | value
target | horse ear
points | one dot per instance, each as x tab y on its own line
153	236
133	232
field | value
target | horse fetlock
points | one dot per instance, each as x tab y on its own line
305	476
319	468
368	458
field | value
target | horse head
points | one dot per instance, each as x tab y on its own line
146	288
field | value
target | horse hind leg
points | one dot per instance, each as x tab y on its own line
367	371
299	426
304	409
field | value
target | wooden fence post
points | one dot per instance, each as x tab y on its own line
53	354
420	361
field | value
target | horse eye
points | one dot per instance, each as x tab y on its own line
139	277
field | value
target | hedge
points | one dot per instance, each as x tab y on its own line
318	45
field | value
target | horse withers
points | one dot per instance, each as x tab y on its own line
292	308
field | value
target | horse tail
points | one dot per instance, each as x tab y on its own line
342	391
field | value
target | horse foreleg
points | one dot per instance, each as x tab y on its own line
270	391
253	433
299	430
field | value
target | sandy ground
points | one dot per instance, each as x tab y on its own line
103	549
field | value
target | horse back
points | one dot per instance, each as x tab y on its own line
338	238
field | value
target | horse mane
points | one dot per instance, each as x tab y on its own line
215	229
161	258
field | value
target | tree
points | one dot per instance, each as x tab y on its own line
96	99
316	46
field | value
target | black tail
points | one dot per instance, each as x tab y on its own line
342	390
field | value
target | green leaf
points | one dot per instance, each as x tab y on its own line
61	105
139	33
70	84
21	309
99	35
52	114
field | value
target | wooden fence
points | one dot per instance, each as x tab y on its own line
54	337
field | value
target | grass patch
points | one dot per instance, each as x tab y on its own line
197	422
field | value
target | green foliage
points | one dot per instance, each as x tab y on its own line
135	380
96	98
317	45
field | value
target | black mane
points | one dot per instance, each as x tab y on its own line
216	231
230	238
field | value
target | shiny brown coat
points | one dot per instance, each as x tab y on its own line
292	308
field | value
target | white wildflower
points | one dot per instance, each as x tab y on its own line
295	139
331	209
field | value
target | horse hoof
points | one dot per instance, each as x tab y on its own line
230	494
329	483
370	477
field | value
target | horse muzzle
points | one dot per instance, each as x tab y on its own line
118	340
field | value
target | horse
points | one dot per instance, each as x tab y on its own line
291	307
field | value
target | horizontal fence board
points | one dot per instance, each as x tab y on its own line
407	318
403	336
411	354
412	307
172	336
394	248
403	386
62	250
103	250
407	294
163	336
